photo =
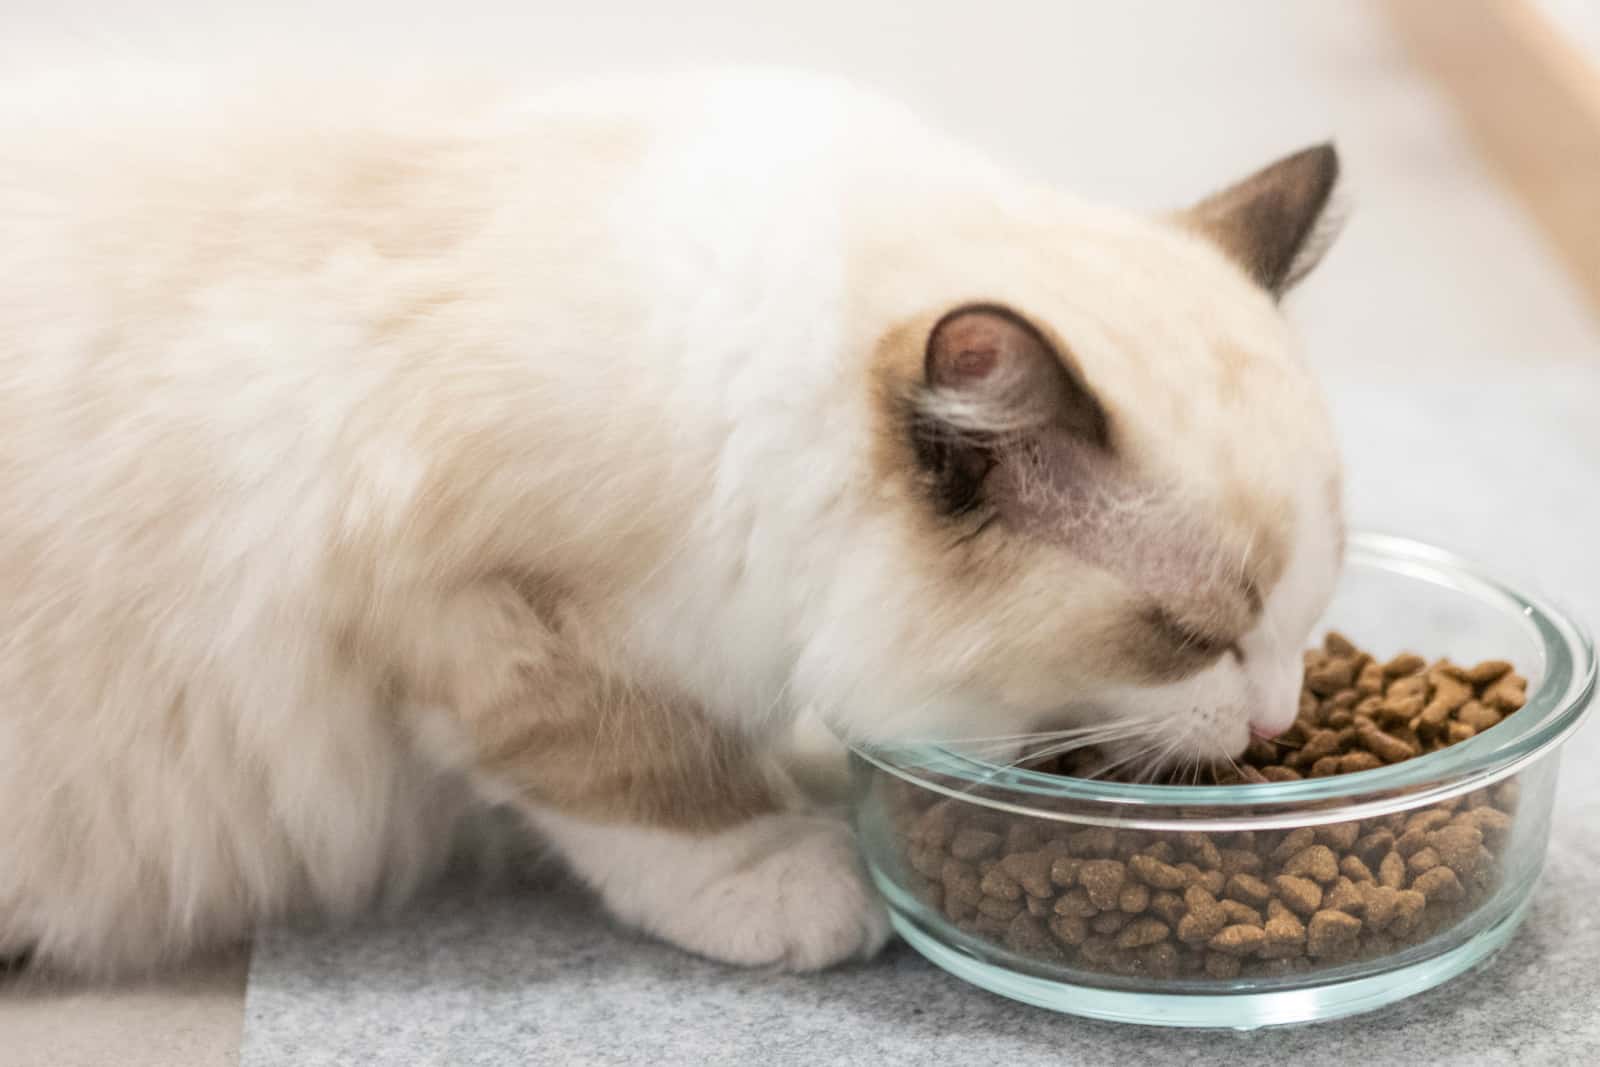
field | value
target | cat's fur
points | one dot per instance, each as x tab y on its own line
363	451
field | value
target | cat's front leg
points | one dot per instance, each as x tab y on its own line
783	889
685	828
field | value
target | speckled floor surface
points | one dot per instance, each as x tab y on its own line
1465	374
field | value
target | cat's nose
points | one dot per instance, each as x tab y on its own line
1268	730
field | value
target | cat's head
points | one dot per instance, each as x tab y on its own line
1104	488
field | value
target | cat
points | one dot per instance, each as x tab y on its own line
369	453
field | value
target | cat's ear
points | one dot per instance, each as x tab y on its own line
992	380
1277	223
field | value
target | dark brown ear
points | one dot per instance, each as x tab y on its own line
993	381
1273	223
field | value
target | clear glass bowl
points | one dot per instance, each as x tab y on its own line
1106	935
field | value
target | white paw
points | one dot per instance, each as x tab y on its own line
783	890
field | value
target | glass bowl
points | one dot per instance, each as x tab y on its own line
1105	899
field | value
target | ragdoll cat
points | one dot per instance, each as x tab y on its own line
362	454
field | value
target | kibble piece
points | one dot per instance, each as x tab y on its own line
1356	762
1098	950
1285	933
1168	906
1408	907
1370	681
1439	883
1294	841
1403	664
934	826
1508	694
1384	745
1093	841
1070	929
1108	922
1457	732
1142	932
1489	670
1301	895
972	844
1238	940
999	908
1249	889
1326	767
1075	902
1317	862
1330	676
1103	880
1028	935
1354	869
1163	960
1039	907
1424	859
1155	873
1322	743
1378	904
1410	841
1330	932
961	881
1064	871
1030	870
1134	898
1278	773
1494	823
1392	871
1221	965
1205	918
1240	861
1335	643
1478	716
1345	897
997	883
1240	913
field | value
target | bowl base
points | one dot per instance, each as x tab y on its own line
1236	1011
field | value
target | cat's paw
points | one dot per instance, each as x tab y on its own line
785	890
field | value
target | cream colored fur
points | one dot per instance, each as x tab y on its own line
328	417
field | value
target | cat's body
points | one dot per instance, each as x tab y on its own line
353	449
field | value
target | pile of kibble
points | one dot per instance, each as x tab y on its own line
1190	904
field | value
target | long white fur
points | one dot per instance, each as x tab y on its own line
216	379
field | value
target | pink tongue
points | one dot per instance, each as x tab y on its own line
1267	733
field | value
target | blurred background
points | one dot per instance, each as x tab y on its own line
1456	323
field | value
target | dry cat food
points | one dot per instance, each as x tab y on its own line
1253	902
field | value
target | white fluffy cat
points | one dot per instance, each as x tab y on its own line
365	451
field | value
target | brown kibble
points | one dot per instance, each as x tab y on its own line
999	908
961	881
1326	767
1405	688
1378	904
1488	671
1317	862
1030	870
1396	711
1370	681
1322	743
1330	932
1248	889
1403	664
1240	861
1344	896
1108	922
1428	819
971	844
1168	906
1439	883
1508	694
1331	676
1356	762
1354	869
1478	716
1423	859
1075	902
1221	965
1294	841
1064	871
1094	841
1156	874
1240	913
934	826
1103	880
997	883
1134	898
1457	732
1142	932
1408	908
1284	929
1027	934
1205	918
1022	837
1238	940
1335	643
1163	960
1384	745
1410	841
1492	822
1070	929
1392	871
1279	773
1340	836
1301	895
1039	907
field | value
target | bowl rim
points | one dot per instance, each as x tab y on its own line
1553	710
